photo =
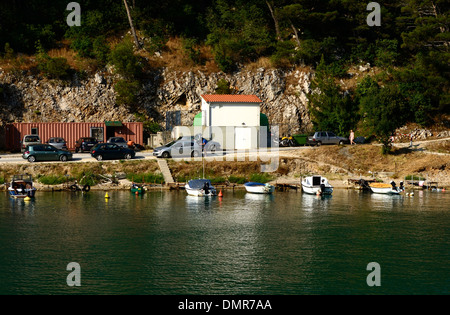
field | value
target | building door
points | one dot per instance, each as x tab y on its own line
243	139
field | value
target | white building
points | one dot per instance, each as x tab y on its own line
233	120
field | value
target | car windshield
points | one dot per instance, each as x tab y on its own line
32	139
170	144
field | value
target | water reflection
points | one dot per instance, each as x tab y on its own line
172	243
314	202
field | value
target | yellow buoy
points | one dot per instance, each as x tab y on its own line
27	198
106	196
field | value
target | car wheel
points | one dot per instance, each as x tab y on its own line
319	143
31	159
195	153
63	158
99	157
341	142
212	148
127	156
165	154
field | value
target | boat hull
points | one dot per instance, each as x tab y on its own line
199	192
314	190
259	188
384	190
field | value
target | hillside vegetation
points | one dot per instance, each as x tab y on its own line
410	50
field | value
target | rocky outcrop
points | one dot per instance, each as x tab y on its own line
36	99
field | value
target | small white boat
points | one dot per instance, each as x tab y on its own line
316	185
382	188
259	188
21	187
200	188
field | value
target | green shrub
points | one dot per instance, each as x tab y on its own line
126	92
237	179
126	63
54	179
146	178
53	68
260	177
414	177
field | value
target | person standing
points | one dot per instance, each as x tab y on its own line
352	137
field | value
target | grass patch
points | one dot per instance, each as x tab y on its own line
53	179
149	178
260	177
414	177
237	179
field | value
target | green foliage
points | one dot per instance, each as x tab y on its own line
54	179
223	87
146	178
190	46
383	110
237	179
126	91
126	63
330	108
53	68
9	52
260	177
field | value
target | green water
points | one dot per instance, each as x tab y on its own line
169	243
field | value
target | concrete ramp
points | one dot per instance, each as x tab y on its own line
168	179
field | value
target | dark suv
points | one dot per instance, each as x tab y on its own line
326	137
85	144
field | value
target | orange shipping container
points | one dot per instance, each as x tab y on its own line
71	132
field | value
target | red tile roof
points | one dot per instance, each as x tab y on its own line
227	98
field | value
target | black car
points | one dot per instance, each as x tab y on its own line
85	144
110	151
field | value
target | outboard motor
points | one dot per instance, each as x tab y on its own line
394	186
401	186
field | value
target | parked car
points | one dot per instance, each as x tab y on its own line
178	148
326	137
85	144
29	140
45	152
121	142
110	151
58	143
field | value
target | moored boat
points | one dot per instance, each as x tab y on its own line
200	188
383	188
316	185
21	186
137	189
259	188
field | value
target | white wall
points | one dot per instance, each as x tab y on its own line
230	114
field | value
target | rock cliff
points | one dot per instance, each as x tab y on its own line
36	99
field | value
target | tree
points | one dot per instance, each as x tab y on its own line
382	110
330	108
130	20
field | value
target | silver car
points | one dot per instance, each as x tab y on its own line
121	142
178	148
58	143
326	137
29	140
